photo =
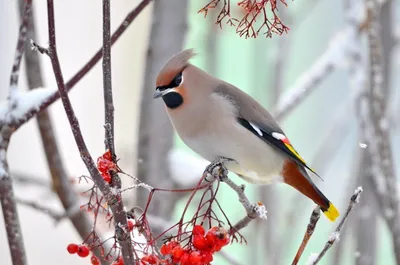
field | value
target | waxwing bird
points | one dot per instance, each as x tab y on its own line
218	120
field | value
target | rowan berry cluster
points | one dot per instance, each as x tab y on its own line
105	164
82	250
200	251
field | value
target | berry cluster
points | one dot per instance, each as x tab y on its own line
105	164
81	250
204	246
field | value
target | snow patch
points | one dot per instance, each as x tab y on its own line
334	237
312	258
363	145
23	102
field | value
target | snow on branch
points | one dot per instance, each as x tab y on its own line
342	48
335	236
14	110
336	55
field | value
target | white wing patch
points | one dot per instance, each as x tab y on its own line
278	136
256	129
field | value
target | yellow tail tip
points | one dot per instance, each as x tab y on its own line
332	213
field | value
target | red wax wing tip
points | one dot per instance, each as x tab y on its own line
286	140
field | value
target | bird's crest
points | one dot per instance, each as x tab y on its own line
173	66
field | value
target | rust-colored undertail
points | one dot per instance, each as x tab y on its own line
293	176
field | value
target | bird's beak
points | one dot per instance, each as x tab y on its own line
159	93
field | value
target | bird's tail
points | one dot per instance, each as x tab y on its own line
298	178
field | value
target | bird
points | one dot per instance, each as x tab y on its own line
220	122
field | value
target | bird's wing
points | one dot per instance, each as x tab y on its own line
260	122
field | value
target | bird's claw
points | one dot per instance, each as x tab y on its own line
217	169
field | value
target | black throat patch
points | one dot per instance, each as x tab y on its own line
173	100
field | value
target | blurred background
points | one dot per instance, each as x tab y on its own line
318	55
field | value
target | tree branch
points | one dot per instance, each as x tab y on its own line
335	235
57	217
107	81
8	204
116	205
315	215
60	179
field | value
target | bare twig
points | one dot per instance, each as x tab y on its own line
107	81
116	205
253	210
315	215
57	217
335	235
20	48
30	180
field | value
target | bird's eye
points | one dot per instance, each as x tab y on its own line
178	79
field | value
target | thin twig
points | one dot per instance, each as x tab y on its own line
335	235
19	51
57	217
107	82
116	205
315	215
253	210
30	180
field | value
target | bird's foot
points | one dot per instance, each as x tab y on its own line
217	169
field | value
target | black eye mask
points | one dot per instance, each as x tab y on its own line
174	83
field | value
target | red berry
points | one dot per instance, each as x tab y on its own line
177	253
185	260
168	247
199	242
150	259
195	258
83	251
72	248
165	250
210	239
130	225
198	230
94	260
225	241
107	155
106	176
206	257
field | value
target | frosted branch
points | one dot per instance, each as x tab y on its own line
334	237
339	50
253	210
